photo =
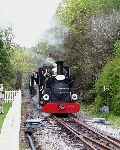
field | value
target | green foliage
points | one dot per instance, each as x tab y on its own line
108	87
117	48
89	110
70	10
88	43
6	51
14	60
6	107
110	79
22	61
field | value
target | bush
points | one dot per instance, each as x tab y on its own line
108	87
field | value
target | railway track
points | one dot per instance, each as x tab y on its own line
81	135
76	133
90	138
110	139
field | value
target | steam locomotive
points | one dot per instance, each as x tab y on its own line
56	94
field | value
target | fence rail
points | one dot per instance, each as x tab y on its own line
9	96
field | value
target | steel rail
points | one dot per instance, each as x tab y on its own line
85	137
114	139
30	141
77	135
115	142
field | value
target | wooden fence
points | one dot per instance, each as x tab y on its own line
9	96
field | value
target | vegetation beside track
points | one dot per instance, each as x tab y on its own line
108	85
92	49
91	31
90	110
6	107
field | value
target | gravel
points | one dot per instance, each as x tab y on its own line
107	129
49	137
101	125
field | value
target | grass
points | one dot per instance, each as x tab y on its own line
6	107
90	111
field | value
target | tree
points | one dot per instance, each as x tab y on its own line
92	29
23	64
6	51
15	62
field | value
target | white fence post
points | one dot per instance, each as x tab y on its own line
9	96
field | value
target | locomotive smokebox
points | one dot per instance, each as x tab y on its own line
59	67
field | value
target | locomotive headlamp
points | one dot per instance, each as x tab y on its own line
60	77
46	97
74	97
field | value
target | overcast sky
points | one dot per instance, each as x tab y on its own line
29	18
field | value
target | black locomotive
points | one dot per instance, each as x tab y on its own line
55	89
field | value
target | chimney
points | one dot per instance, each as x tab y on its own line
59	67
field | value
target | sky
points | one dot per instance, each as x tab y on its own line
28	18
